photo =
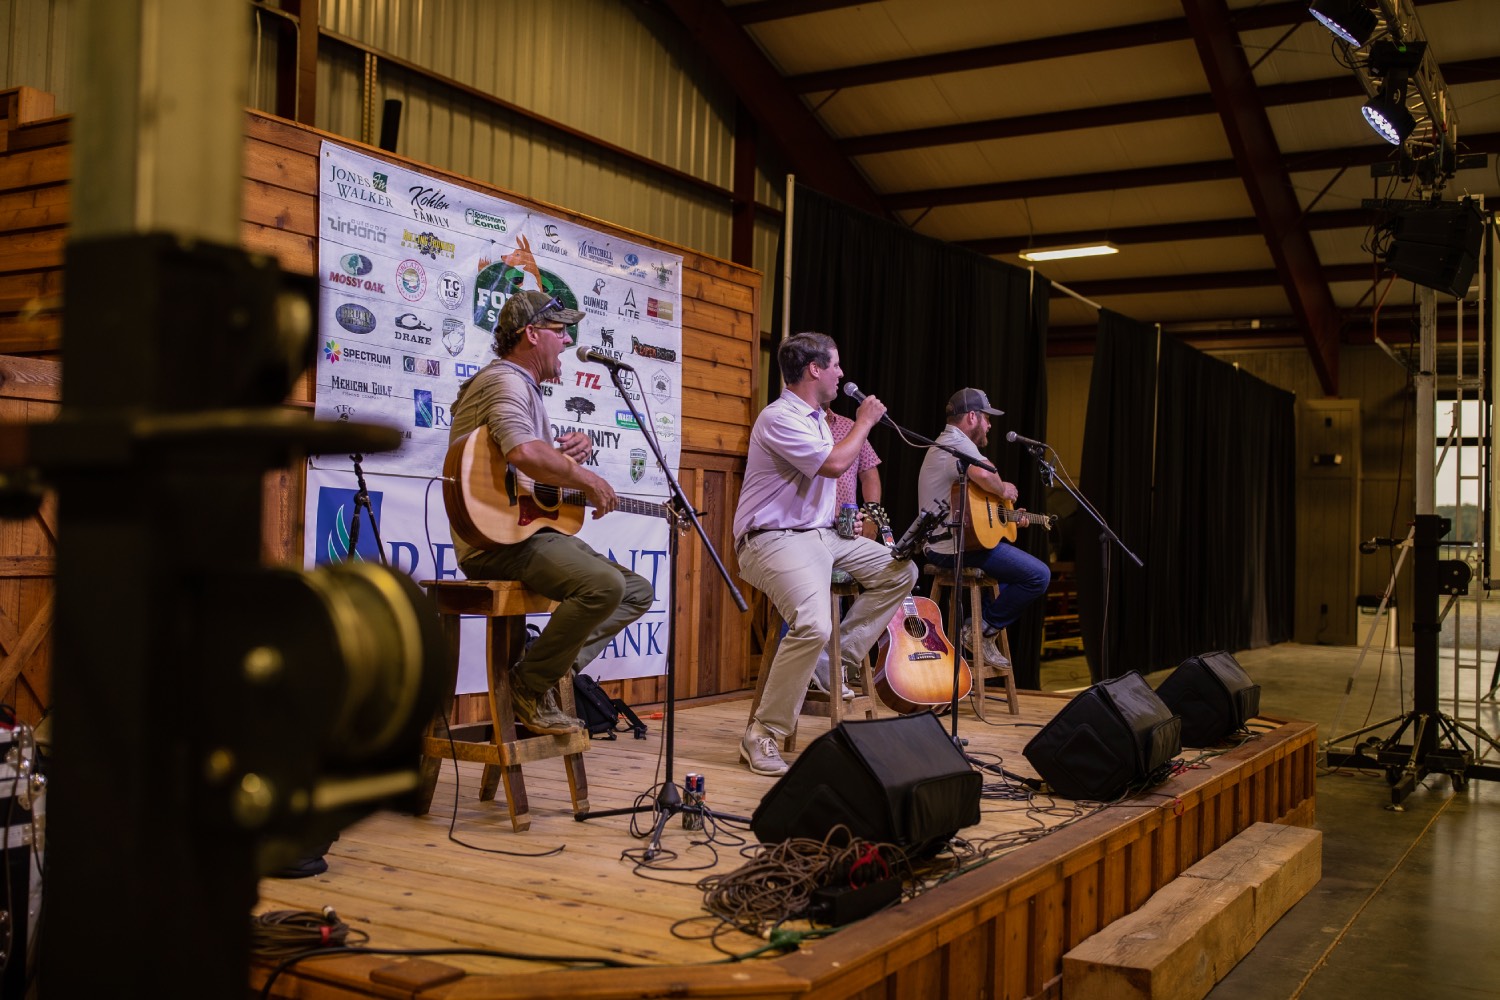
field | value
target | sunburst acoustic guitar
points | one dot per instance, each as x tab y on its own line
490	503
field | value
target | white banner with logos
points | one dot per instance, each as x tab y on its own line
414	272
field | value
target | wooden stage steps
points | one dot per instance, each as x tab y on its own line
998	930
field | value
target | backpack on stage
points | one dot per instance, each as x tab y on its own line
601	713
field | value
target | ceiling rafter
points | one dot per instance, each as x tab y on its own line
1267	182
1178	173
1172	232
803	140
1210	280
778	10
1271	15
1133	112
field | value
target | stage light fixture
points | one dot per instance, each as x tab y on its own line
1350	20
1063	253
1389	117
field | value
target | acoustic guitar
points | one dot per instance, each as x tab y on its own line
990	520
491	503
914	660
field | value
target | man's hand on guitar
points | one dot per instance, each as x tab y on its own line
1009	492
601	495
576	445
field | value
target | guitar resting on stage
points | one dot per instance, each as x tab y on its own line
490	503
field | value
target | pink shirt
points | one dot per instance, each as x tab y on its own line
782	489
841	426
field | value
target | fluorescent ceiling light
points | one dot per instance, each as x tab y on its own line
1062	253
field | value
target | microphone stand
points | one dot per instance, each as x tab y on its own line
1106	536
362	503
669	800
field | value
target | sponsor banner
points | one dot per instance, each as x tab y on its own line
414	273
424	550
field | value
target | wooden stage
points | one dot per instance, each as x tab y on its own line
997	930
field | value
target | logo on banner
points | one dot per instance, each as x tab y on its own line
496	282
427	244
659	309
596	303
450	289
663	274
422	366
666	427
463	370
578	406
624	418
637	464
366	357
554	241
484	220
357	228
422	402
335	523
331	352
596	254
351	186
355	318
356	264
661	386
408	322
652	351
411	280
426	203
629	310
359	386
453	336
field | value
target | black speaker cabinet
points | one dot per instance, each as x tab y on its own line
897	781
1110	736
1214	696
1437	245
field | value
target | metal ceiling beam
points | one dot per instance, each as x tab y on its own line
806	145
1267	182
1180	173
777	10
1172	232
1134	112
1211	280
1272	15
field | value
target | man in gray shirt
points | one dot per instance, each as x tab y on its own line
597	597
1022	577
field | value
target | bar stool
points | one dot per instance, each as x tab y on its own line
831	705
506	603
976	583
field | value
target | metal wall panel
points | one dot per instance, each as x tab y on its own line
607	69
37	49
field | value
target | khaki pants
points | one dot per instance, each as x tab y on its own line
597	598
794	569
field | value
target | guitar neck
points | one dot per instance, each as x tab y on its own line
578	498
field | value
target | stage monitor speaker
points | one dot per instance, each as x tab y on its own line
1214	696
1115	734
897	781
1436	245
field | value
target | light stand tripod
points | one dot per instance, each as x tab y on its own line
669	801
362	503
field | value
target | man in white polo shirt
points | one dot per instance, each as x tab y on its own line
786	542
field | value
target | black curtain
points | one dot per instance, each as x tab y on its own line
915	320
1191	459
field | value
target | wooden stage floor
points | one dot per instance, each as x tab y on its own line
999	929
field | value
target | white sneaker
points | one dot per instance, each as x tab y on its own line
758	751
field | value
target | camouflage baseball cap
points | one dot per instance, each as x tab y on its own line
531	307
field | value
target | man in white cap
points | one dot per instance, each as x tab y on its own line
597	597
1022	577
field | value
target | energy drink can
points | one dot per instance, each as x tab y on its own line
847	514
692	786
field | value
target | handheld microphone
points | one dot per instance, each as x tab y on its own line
599	357
1015	438
852	391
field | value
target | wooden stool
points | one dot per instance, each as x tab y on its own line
975	582
505	603
831	705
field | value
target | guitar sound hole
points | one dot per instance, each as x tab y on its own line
916	627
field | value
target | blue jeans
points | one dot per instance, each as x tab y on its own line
1022	577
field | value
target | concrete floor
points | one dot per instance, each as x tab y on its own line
1409	902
